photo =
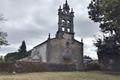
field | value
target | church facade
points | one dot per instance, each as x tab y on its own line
64	48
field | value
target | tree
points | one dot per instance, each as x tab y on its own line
3	40
87	57
22	47
22	52
107	14
13	56
3	35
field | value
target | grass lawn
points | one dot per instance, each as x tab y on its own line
93	75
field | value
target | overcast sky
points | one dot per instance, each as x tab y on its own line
32	20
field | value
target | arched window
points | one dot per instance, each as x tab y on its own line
63	29
68	22
68	30
63	22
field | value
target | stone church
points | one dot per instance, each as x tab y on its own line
64	48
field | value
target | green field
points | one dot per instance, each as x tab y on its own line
60	76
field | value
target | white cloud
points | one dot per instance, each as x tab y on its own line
89	48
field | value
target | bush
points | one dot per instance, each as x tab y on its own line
93	65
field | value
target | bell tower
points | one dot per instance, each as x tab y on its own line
65	21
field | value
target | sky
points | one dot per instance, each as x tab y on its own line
33	20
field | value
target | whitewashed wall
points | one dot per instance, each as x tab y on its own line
39	53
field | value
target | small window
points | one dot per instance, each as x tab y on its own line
68	30
68	22
63	21
63	29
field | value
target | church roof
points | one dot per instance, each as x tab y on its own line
78	41
53	39
41	44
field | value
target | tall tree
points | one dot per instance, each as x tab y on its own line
23	48
107	14
3	35
22	52
3	40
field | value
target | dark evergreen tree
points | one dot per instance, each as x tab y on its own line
22	52
13	56
107	14
22	48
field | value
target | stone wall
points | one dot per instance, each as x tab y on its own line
65	48
34	67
